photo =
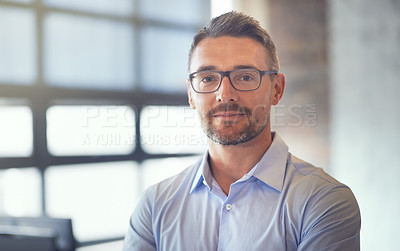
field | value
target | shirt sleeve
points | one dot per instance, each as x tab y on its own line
332	222
139	236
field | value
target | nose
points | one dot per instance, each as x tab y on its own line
226	93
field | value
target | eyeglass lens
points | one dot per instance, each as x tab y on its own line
243	79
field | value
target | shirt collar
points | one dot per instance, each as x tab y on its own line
203	173
270	169
272	166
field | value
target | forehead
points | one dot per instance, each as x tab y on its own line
225	53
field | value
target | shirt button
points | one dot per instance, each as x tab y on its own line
228	207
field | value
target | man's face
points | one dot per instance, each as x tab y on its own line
229	116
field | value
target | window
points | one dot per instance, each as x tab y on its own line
156	170
84	52
90	130
87	88
15	129
165	53
99	197
118	7
20	194
17	45
183	11
171	129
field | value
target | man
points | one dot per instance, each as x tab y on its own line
247	192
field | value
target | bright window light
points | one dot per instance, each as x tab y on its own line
168	59
20	192
183	11
16	137
90	130
17	46
99	198
156	170
171	129
219	7
83	52
119	7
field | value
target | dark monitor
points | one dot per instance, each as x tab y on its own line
21	242
42	233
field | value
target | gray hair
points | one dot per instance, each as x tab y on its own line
236	24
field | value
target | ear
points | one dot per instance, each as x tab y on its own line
278	86
189	92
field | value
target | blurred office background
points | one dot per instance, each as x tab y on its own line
93	105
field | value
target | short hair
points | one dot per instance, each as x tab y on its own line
237	24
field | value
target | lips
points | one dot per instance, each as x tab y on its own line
228	114
228	111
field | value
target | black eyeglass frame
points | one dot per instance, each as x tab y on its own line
227	73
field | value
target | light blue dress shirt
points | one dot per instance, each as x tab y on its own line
283	203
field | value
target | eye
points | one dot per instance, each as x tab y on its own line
245	78
208	79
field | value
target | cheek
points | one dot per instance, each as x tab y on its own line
203	103
262	99
265	98
260	113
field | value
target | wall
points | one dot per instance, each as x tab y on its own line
365	114
298	29
344	56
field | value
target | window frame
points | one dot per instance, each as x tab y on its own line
39	97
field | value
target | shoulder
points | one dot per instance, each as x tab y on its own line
313	186
160	194
141	235
322	200
314	192
306	174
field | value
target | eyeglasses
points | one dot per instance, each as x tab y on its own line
242	79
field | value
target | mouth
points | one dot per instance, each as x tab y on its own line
228	114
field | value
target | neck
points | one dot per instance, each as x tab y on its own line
229	163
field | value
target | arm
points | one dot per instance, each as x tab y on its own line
140	233
332	222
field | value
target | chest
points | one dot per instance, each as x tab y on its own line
251	219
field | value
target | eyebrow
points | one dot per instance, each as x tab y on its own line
238	67
207	68
213	68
